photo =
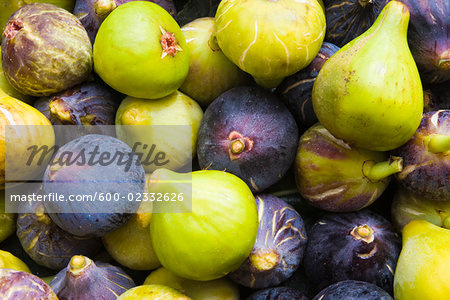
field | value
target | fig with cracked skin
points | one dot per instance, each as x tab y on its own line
22	285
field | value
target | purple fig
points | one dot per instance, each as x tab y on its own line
277	293
21	285
353	290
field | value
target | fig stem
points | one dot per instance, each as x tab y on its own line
237	146
77	262
104	7
444	62
58	110
41	216
363	232
378	171
264	260
363	3
437	143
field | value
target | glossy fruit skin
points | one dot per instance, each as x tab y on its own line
90	281
353	290
277	293
128	54
423	263
329	173
21	285
53	53
372	112
94	218
216	237
256	119
296	90
425	173
334	253
9	261
428	38
279	246
46	243
210	71
153	292
270	39
348	20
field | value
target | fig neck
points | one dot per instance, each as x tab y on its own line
391	22
374	171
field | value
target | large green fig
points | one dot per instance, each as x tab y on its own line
369	93
270	39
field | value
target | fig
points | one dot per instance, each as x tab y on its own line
22	285
128	54
7	220
348	20
353	290
270	39
352	246
428	34
9	261
210	72
99	176
279	247
153	292
21	127
334	176
217	289
131	244
380	112
45	50
216	235
423	263
296	90
250	133
426	160
46	243
92	12
170	124
277	293
84	279
407	206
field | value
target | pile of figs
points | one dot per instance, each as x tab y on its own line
225	149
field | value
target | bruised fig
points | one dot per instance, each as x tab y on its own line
83	279
426	158
92	12
334	176
250	133
45	50
21	285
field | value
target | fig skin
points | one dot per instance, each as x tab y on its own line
353	290
279	246
45	50
7	220
9	261
277	293
352	246
21	285
260	123
296	90
147	59
426	172
46	243
153	292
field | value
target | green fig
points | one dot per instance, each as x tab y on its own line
369	93
7	220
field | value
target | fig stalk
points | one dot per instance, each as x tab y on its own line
378	171
77	264
264	260
363	232
444	62
104	7
437	143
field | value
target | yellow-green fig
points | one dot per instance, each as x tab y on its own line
153	292
7	220
369	93
9	261
422	268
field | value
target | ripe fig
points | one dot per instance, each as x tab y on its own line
270	39
426	159
9	261
372	112
146	59
277	293
353	290
22	285
279	246
296	90
334	176
153	292
45	50
250	133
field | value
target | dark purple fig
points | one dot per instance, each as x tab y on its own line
347	20
353	290
92	12
250	133
21	285
279	246
296	90
83	279
99	177
278	293
426	159
46	243
334	176
45	50
85	104
428	38
352	246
